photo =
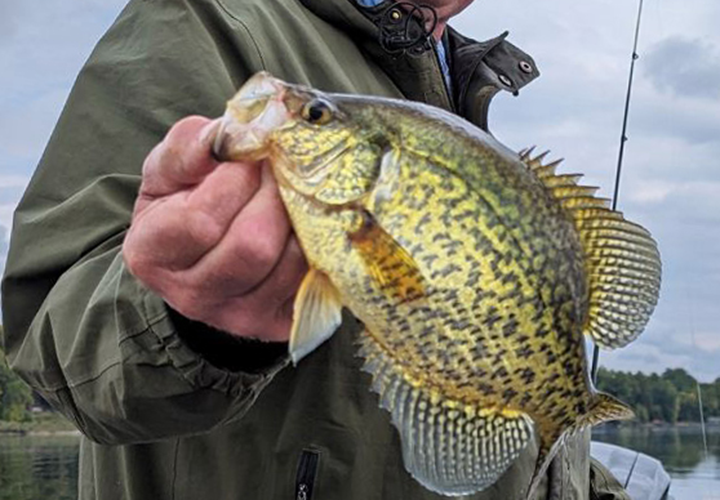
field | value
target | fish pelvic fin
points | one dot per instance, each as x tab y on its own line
602	408
316	315
449	447
622	260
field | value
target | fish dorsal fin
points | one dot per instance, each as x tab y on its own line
621	258
535	163
449	447
316	315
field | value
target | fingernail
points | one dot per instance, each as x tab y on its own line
209	132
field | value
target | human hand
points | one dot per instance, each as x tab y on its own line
213	238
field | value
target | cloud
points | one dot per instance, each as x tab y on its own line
3	241
4	244
647	358
685	67
9	15
11	189
663	191
671	177
665	345
11	180
6	215
27	128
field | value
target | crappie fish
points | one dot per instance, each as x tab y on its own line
476	272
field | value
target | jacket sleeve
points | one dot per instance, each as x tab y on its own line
79	328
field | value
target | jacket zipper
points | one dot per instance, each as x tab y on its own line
305	479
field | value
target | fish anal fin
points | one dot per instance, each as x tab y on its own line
621	259
449	447
316	315
387	262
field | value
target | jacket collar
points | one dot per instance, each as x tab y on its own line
399	44
413	68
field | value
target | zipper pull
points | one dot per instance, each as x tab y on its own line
302	492
306	472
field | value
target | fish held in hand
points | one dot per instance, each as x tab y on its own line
476	272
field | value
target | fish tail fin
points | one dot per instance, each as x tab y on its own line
602	408
622	259
450	448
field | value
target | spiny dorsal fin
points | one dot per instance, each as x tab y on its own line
564	180
621	258
449	447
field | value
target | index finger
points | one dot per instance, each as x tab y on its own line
182	159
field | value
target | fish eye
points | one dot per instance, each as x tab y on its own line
317	112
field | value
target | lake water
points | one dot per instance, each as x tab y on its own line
45	467
695	474
38	467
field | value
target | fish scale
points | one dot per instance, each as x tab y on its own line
484	251
476	272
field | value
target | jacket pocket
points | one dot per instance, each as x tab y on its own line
306	472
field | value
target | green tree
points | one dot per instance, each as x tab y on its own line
15	395
670	397
682	380
689	408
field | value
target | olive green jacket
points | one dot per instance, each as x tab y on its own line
171	409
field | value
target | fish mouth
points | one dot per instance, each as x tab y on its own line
251	116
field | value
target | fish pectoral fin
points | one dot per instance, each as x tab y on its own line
387	262
621	258
450	448
316	315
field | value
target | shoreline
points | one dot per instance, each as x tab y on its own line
38	433
39	424
53	424
655	426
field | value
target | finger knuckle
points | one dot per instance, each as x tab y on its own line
263	252
204	229
136	263
188	125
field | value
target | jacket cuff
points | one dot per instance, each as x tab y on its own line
210	359
226	351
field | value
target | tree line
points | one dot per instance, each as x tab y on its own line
15	395
671	397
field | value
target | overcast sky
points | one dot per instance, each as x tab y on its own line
671	180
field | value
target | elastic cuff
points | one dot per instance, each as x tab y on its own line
208	358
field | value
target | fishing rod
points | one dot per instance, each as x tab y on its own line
697	384
623	140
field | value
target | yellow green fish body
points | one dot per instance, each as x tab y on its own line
475	271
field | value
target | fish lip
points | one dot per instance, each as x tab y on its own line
220	134
251	116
